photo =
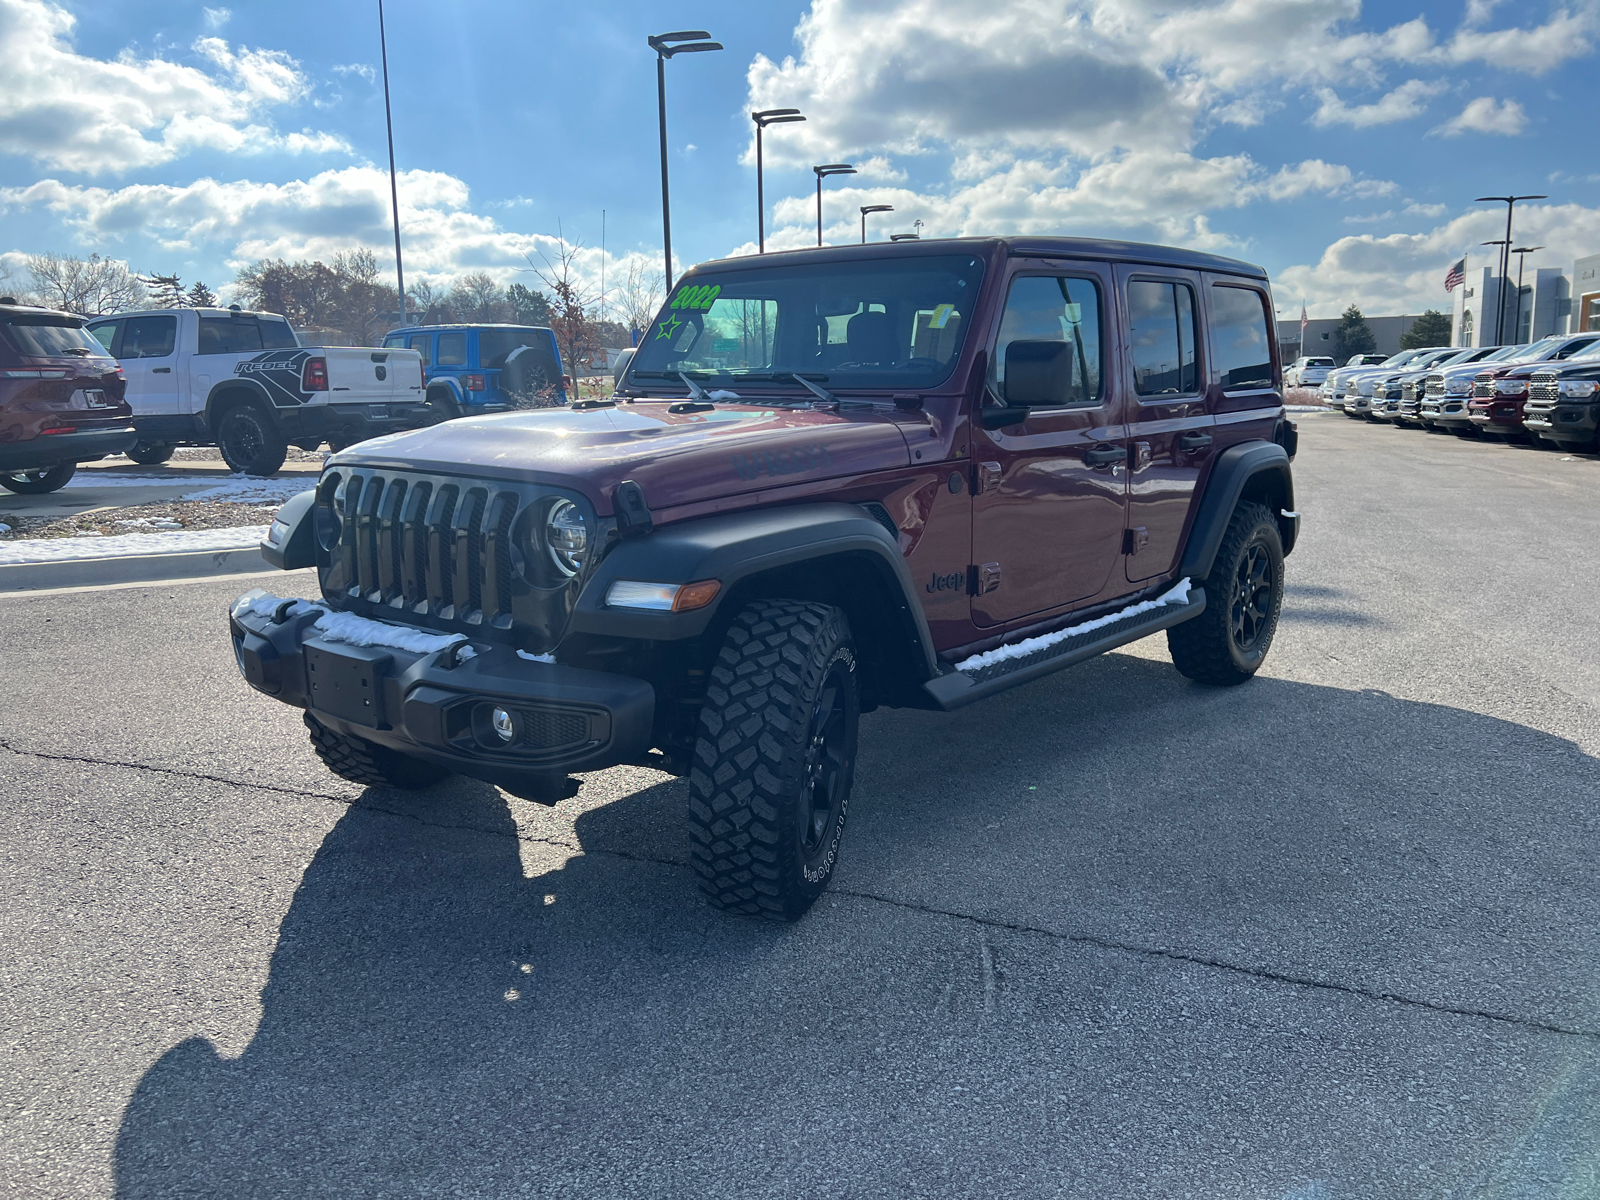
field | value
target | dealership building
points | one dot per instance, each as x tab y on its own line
1553	300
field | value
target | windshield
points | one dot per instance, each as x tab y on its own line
1587	354
868	324
1401	359
1504	353
49	336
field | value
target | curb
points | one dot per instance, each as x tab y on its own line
132	568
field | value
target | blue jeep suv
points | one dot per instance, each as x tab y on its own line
485	368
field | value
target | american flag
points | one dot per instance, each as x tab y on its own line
1303	321
1455	277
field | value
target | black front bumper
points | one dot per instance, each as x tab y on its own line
1564	422
57	448
439	707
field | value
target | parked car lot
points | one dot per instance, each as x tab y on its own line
1341	952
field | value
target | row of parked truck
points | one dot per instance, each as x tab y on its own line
1546	391
144	383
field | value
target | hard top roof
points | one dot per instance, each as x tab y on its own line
211	311
464	325
1100	249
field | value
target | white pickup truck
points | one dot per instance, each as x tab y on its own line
242	382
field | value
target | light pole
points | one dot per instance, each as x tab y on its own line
771	116
1500	288
394	191
1522	253
1505	255
871	208
823	171
690	41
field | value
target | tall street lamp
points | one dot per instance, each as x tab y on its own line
1505	256
394	191
1522	253
871	208
684	41
823	172
1500	288
771	116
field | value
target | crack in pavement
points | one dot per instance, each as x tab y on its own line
1261	973
1082	939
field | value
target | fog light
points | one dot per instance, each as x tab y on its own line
504	726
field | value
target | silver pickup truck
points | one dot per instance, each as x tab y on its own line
241	381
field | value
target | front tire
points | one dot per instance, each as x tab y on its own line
1227	643
769	788
39	480
251	441
368	763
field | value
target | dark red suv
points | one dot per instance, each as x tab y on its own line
907	475
61	398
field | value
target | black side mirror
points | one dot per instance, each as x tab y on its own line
1038	374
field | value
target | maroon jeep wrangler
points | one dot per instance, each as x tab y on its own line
912	474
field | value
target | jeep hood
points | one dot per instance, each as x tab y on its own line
677	458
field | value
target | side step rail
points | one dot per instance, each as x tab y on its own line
1009	666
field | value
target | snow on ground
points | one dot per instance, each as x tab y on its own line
32	550
245	488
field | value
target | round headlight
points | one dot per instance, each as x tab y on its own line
567	536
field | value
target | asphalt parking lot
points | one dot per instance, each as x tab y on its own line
1331	934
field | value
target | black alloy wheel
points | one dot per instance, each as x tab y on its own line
1250	614
830	753
250	441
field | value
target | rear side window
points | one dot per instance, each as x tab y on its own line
497	345
239	335
1239	338
452	349
276	335
106	334
1161	329
394	343
422	343
148	337
1060	310
49	336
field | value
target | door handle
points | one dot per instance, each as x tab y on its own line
1104	456
1193	441
161	370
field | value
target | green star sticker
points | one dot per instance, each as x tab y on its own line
668	327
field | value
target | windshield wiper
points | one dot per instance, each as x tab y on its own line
821	393
695	390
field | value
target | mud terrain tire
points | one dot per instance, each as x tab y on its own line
368	763
769	787
1226	644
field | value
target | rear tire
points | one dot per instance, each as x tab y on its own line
149	454
1227	643
368	763
38	480
769	788
443	405
251	441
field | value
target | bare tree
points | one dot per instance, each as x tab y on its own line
570	303
90	286
477	297
640	297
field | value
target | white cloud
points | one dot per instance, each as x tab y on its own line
76	113
1426	210
364	70
1404	272
1486	115
1406	101
215	18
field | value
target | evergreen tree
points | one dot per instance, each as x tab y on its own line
1432	328
1353	336
528	307
200	296
165	291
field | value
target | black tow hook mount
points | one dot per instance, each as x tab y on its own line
546	792
633	514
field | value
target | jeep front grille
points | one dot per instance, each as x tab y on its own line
438	551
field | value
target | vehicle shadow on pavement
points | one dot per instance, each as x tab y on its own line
438	1022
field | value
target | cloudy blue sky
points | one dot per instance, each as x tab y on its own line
1339	144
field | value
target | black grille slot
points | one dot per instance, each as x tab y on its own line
548	729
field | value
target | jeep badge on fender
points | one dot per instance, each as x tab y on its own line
764	533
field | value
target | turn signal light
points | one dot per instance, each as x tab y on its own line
663	597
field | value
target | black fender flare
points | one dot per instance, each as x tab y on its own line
1249	467
232	386
736	548
447	383
298	547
